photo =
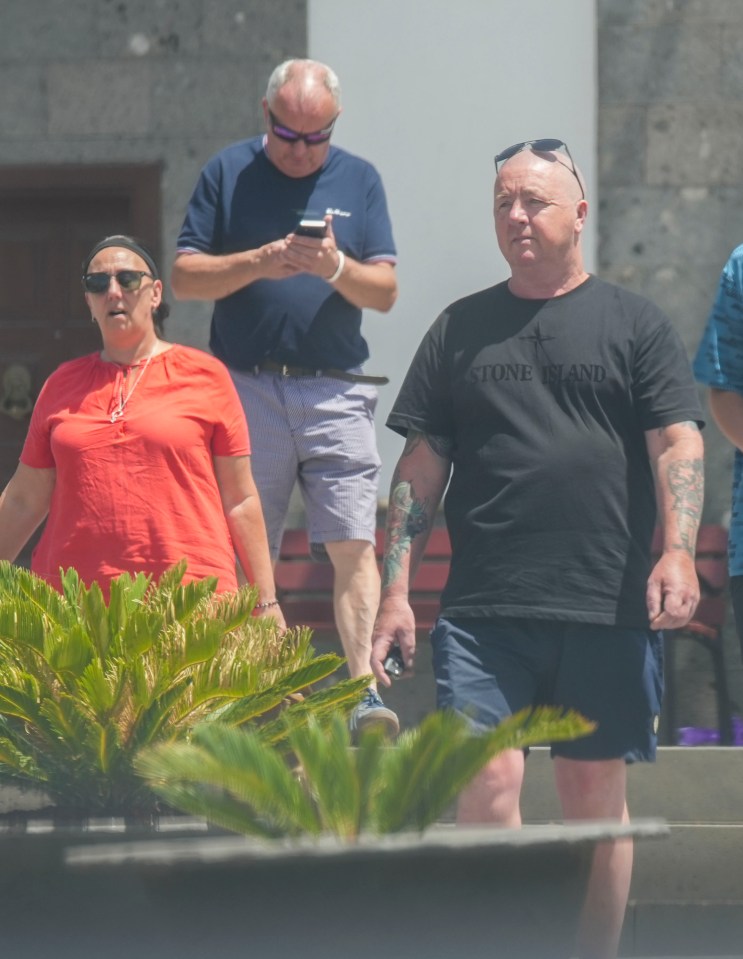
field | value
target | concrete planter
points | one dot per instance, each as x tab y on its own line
474	893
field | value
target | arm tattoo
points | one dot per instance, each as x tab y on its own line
686	483
409	515
408	518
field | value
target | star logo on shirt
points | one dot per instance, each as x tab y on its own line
537	338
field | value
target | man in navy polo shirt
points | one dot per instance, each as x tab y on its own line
287	323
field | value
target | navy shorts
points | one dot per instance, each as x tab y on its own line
488	669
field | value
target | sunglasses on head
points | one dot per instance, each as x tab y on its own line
128	280
292	136
545	145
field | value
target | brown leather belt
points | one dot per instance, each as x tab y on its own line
286	369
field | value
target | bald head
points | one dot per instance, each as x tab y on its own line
552	166
304	81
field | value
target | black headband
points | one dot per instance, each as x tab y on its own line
128	243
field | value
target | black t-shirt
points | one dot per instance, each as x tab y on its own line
551	503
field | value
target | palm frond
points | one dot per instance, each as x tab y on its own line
329	770
139	632
169	581
21	624
17	766
378	789
68	652
72	586
250	707
85	685
235	609
227	774
20	700
95	618
62	727
339	698
126	594
99	687
157	718
182	601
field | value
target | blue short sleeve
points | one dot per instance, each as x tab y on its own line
719	359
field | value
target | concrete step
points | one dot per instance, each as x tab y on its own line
688	929
699	784
695	863
686	898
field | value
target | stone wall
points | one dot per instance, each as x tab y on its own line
671	196
135	81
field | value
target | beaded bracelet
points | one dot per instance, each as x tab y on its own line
274	602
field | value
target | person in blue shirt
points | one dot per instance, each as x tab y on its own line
719	365
287	323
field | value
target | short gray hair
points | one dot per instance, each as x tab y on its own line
284	72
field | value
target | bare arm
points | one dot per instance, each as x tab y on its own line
244	515
727	412
368	285
418	484
205	276
677	457
23	505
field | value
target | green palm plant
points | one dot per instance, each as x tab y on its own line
237	780
84	685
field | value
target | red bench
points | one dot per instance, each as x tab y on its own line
305	588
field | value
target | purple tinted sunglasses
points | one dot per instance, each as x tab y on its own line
292	136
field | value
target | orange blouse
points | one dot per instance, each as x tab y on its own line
140	493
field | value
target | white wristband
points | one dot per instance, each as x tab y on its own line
339	268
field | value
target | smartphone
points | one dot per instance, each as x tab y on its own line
394	665
314	228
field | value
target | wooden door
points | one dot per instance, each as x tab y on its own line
49	220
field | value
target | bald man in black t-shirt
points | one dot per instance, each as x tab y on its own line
561	412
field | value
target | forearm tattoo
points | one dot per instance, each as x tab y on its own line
408	518
408	514
686	483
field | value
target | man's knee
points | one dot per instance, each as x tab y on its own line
591	789
493	795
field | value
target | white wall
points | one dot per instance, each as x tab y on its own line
432	89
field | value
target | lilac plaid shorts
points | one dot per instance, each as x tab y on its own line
317	432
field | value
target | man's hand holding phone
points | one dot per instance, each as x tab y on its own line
317	229
393	642
312	249
394	665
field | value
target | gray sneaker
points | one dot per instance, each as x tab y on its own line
371	711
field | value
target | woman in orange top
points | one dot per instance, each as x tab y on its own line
139	454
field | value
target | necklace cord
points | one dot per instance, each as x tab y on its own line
118	411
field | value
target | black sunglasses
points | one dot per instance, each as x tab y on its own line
545	145
292	136
128	280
